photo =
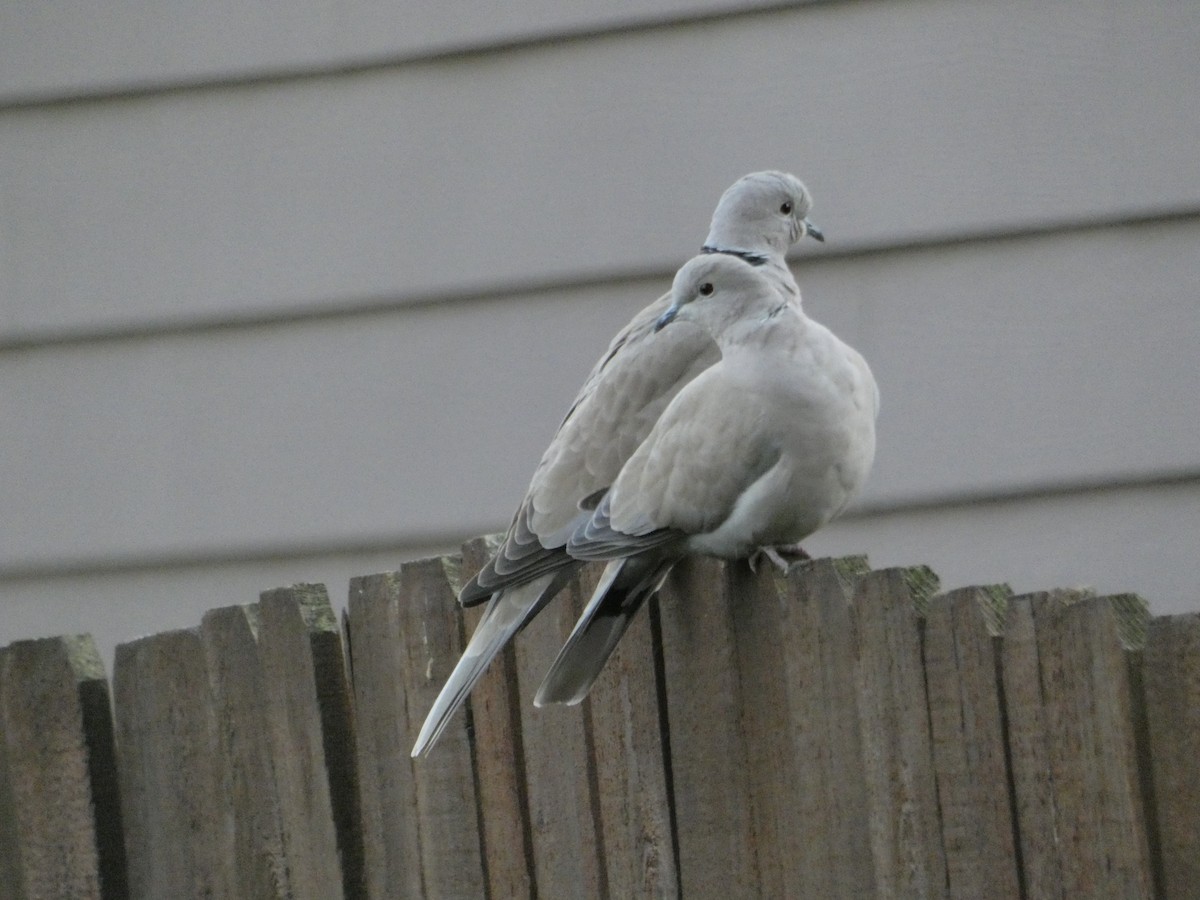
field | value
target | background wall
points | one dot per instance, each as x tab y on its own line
298	296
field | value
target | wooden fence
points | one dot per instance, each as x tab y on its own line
832	733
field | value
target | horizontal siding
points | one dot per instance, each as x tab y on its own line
74	47
571	162
1005	365
1139	539
1133	539
1028	362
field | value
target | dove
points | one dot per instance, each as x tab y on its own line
756	220
761	449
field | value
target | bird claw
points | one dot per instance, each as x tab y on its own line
778	556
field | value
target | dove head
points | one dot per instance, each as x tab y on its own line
716	290
762	214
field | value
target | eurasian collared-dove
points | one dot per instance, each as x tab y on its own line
761	449
757	219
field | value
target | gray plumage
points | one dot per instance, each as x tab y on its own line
761	449
759	217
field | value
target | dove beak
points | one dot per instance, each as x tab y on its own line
813	231
666	318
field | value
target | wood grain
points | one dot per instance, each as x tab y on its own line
710	761
626	728
391	840
966	720
763	712
499	763
905	829
828	839
312	738
1092	749
1171	676
260	865
1035	806
175	799
560	775
60	818
447	819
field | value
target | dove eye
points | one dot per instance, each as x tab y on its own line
706	289
786	209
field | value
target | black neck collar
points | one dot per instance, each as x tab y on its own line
755	259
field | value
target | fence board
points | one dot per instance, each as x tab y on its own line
60	822
709	766
174	798
335	699
1035	808
499	764
763	710
893	713
11	873
831	841
258	863
966	723
830	732
1089	727
447	820
1171	677
392	850
631	777
294	622
564	815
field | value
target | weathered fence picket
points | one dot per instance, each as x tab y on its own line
422	821
564	814
240	690
1093	757
830	841
304	690
966	721
499	771
831	732
1171	679
626	733
174	799
60	816
713	815
897	755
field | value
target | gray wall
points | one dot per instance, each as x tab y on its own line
298	297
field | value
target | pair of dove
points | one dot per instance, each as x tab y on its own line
721	420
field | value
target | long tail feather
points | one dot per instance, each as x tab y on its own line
624	587
507	613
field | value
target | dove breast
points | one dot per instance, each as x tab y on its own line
764	447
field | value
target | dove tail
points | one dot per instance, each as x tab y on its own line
624	587
507	613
